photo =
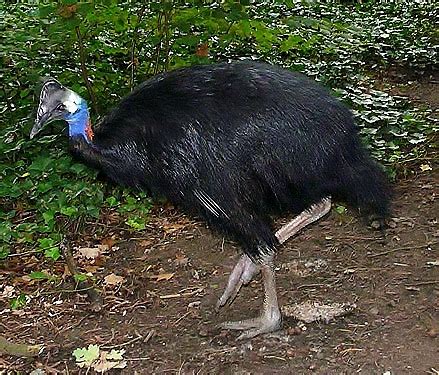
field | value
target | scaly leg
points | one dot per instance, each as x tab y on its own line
310	215
242	274
245	269
270	319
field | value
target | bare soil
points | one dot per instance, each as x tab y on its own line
163	312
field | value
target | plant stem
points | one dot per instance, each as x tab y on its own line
84	71
140	15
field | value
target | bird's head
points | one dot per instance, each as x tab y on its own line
60	103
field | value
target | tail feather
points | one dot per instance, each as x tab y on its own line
366	187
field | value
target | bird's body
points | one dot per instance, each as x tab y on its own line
233	144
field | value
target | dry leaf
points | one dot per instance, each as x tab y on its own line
90	268
104	363
145	243
8	291
162	276
113	279
425	167
109	242
172	228
181	260
202	50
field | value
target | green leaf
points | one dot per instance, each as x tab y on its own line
18	302
340	209
136	222
52	253
4	252
86	356
69	211
79	277
38	275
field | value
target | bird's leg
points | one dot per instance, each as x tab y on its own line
270	319
310	215
245	269
242	274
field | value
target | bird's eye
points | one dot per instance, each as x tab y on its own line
60	107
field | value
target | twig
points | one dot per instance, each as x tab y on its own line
428	282
403	248
346	351
140	15
26	253
310	285
93	294
181	318
274	357
84	71
181	367
139	337
177	295
65	291
159	44
168	15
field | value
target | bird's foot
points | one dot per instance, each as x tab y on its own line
269	321
242	274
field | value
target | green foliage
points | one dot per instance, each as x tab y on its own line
38	275
79	277
18	302
115	45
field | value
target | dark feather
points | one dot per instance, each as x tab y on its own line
234	143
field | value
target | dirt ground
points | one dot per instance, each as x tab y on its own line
162	309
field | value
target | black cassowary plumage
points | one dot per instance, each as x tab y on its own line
234	143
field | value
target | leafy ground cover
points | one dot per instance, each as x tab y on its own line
378	58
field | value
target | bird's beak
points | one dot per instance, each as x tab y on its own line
40	121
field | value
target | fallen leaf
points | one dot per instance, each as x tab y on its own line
425	167
113	279
105	363
181	260
202	50
109	242
116	355
8	291
86	356
162	276
172	228
99	360
89	252
90	269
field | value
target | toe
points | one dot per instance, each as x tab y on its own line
241	324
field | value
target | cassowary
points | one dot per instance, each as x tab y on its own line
233	143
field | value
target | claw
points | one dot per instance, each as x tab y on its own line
270	319
242	274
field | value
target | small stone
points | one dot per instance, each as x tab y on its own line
294	331
374	311
432	333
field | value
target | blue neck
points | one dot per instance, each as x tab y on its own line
79	121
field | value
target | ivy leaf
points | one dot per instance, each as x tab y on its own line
38	275
86	356
52	253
